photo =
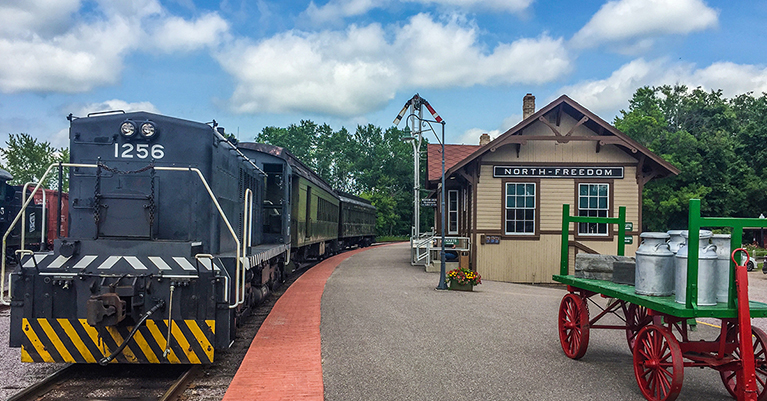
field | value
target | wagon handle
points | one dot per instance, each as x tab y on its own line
748	391
732	256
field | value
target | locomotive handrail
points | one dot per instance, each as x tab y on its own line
239	264
24	205
247	229
23	215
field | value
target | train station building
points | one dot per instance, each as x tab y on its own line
506	194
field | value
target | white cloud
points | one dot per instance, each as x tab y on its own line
355	71
66	52
113	104
512	6
630	20
336	10
85	57
36	17
60	139
176	33
607	96
471	136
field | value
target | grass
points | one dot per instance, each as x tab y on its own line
392	238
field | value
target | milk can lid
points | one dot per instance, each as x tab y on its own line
657	235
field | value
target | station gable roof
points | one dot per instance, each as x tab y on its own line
453	155
652	165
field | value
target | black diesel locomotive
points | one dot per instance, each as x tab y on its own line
10	205
175	233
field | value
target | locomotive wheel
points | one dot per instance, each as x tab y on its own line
730	377
637	317
573	326
658	364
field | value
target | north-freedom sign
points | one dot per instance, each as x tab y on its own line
556	172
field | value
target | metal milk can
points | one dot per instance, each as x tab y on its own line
675	241
722	242
707	277
654	266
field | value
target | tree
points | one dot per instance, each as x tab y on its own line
27	159
706	136
371	161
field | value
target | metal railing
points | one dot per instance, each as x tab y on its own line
420	249
239	269
24	219
427	243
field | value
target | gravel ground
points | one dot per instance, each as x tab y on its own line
15	374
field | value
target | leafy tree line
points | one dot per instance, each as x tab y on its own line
370	162
27	159
719	144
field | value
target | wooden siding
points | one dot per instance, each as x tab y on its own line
553	152
535	261
532	262
489	200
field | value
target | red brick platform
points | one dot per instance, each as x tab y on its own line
284	361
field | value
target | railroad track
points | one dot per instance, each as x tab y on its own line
93	382
113	382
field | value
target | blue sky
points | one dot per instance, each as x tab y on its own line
252	64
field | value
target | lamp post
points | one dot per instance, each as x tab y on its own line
761	231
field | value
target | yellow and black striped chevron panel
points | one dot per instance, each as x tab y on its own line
75	341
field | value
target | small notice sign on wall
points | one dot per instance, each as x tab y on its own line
557	172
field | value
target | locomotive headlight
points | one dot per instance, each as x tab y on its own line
148	130
128	129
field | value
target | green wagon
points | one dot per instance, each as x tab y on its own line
657	328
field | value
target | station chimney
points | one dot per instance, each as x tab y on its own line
484	139
528	106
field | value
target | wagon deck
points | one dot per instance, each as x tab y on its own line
665	305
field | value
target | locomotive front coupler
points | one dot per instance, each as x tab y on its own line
113	297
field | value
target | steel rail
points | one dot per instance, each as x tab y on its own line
181	384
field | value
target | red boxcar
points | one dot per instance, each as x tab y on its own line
51	214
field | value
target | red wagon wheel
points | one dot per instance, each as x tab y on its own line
730	377
573	326
636	317
658	364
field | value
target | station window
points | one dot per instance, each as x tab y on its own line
520	208
452	212
593	201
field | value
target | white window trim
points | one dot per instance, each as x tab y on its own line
534	209
450	212
578	226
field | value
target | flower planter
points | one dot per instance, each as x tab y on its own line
460	287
